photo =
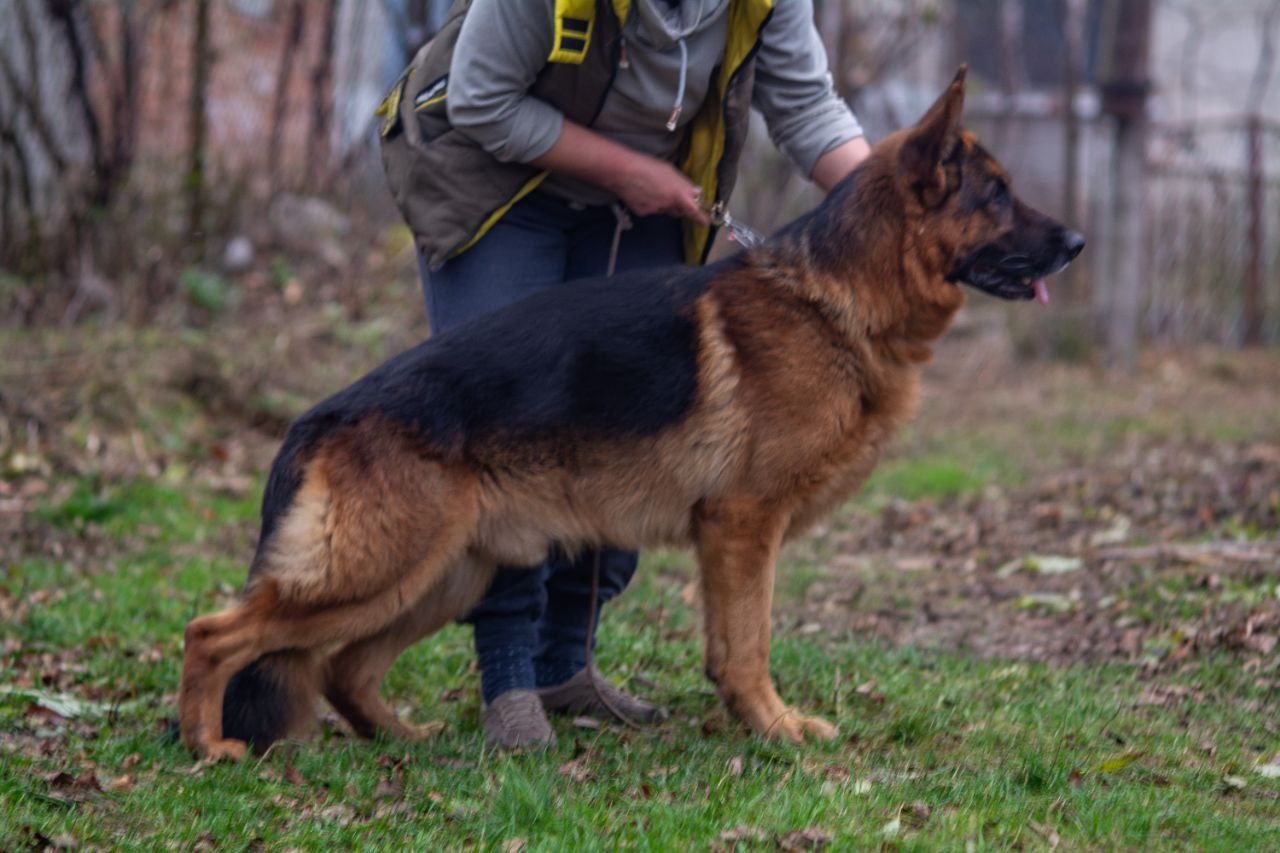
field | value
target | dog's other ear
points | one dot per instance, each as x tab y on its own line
930	142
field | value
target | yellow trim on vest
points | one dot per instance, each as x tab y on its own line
622	8
389	109
528	187
707	133
431	102
569	43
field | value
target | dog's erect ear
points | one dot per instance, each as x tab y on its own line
930	142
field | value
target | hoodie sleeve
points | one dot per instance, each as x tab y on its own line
794	90
501	49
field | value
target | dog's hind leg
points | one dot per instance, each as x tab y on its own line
349	560
219	645
738	544
356	672
216	647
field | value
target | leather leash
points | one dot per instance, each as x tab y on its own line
624	224
748	239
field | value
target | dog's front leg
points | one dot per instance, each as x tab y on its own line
738	544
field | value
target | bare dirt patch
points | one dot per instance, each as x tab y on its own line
1160	550
1133	517
1139	518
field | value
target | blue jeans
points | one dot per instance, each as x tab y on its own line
531	626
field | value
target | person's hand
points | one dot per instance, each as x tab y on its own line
645	184
649	186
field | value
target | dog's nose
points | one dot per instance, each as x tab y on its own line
1073	242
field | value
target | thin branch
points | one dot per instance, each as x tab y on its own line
64	15
1231	552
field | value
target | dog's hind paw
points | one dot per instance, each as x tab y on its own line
796	728
223	750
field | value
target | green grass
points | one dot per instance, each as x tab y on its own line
955	468
998	755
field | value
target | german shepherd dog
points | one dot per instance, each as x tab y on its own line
726	407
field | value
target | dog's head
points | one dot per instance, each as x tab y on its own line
978	232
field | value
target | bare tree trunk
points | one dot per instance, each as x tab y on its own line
1268	21
125	104
197	117
32	236
322	99
28	96
1128	273
280	114
6	227
1073	72
64	14
1011	76
1125	98
1254	302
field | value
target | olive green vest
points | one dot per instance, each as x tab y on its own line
451	191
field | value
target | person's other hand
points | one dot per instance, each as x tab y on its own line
649	186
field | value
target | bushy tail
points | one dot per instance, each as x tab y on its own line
272	698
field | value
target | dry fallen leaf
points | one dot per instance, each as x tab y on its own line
1048	833
339	813
121	784
742	833
576	769
74	789
867	690
1114	765
810	838
390	789
1045	564
919	813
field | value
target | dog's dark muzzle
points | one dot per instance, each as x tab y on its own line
1014	276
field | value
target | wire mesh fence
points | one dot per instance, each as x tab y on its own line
125	122
1213	235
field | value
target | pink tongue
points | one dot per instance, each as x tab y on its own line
1042	291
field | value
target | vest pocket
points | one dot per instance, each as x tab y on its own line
433	95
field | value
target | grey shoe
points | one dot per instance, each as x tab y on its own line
579	696
515	720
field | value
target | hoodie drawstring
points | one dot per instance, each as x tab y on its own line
674	121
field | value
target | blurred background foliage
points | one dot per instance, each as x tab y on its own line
156	153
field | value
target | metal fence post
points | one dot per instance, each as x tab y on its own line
1254	302
1125	90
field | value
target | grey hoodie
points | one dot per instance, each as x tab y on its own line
504	45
